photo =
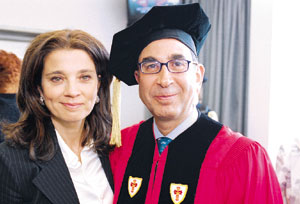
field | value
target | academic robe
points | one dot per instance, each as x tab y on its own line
207	163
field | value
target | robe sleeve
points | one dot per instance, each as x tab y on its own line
247	175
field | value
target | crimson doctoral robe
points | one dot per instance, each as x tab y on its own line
207	163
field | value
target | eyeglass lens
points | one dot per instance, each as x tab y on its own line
173	66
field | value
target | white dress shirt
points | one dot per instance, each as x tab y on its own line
188	122
88	176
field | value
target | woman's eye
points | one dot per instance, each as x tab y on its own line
86	77
56	79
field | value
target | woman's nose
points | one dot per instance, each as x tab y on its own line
72	89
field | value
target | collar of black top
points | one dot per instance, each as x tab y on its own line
187	23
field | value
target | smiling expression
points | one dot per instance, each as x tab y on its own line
169	96
69	85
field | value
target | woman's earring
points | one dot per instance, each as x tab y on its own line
42	101
97	99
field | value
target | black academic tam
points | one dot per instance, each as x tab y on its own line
187	23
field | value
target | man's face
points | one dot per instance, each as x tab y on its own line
169	96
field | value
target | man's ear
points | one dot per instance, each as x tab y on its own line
137	76
200	73
199	78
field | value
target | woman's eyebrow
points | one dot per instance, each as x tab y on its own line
54	72
61	72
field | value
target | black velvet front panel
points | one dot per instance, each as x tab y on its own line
185	157
139	164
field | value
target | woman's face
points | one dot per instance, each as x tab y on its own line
69	85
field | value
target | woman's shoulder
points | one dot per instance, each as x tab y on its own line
17	173
10	148
13	156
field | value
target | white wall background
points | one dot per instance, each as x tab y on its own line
285	75
259	71
101	18
274	99
98	17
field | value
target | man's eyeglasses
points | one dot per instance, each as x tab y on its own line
173	66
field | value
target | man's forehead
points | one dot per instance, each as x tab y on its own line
169	57
161	43
167	48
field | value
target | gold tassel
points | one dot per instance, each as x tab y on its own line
116	106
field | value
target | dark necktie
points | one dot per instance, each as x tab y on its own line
162	142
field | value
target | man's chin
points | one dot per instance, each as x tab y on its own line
165	116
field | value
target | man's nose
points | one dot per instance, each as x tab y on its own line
165	77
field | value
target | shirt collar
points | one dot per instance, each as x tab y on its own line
189	121
70	157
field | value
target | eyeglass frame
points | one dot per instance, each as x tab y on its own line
166	64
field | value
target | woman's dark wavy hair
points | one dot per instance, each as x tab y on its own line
30	131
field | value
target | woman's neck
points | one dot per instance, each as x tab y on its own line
71	133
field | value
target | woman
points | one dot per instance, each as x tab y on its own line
57	151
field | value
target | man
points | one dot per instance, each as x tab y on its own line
205	162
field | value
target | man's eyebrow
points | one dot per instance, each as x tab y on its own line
177	56
171	57
148	59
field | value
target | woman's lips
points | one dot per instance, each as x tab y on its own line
72	105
